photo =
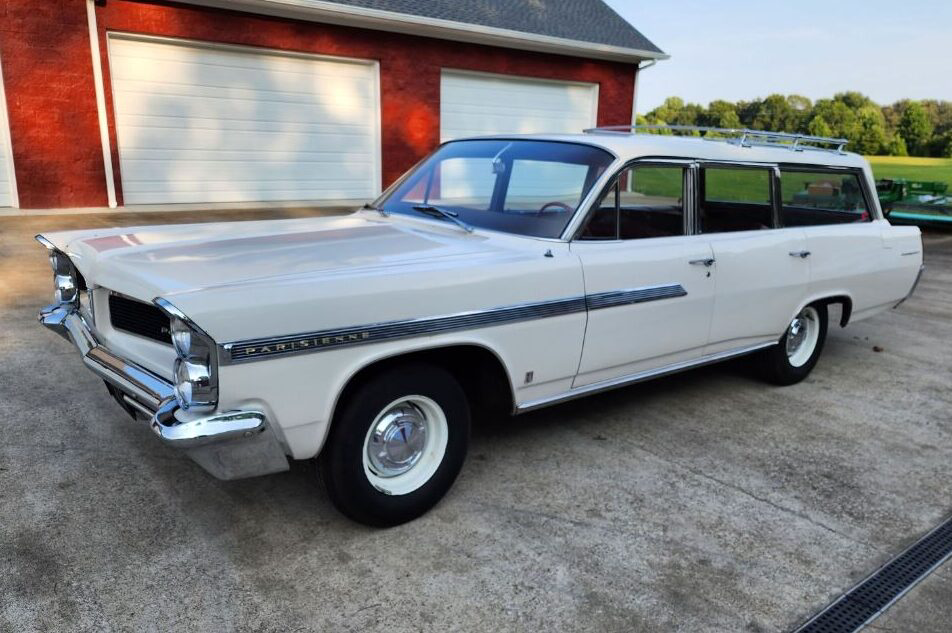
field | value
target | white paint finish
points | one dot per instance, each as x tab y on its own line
479	104
633	338
864	261
760	286
203	123
321	273
8	180
101	103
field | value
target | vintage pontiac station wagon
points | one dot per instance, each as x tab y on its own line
500	274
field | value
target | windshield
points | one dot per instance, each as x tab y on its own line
517	186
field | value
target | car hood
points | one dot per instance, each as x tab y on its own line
145	262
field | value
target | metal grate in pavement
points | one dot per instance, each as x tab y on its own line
869	599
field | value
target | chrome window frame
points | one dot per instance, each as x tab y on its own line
574	229
581	209
874	211
773	188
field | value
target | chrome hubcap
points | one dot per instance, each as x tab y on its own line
802	336
398	440
795	336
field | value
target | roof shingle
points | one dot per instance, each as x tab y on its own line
581	20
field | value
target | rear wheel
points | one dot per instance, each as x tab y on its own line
397	445
799	350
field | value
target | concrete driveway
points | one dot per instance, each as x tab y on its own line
707	501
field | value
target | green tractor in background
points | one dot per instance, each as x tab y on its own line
915	202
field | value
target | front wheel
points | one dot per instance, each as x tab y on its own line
794	357
397	445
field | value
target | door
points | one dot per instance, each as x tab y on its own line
761	272
203	123
648	284
850	254
479	104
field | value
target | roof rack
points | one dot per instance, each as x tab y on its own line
743	137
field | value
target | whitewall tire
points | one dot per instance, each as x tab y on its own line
798	350
396	444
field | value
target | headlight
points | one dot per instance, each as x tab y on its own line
192	384
64	278
196	366
181	338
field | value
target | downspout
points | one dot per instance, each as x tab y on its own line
634	99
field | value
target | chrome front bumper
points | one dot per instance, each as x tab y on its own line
229	445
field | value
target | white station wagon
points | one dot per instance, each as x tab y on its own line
500	274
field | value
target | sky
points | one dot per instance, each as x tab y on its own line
742	49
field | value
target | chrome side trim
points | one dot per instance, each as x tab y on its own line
614	383
616	298
257	349
308	342
48	245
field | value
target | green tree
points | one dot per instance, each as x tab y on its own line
842	121
775	114
871	137
895	146
942	145
722	114
853	100
916	128
819	127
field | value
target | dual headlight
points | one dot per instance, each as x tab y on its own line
196	384
65	278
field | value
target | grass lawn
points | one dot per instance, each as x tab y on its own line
912	168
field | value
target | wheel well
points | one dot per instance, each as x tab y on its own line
845	303
478	370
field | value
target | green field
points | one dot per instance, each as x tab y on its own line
912	168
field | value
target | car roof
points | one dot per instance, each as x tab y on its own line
628	146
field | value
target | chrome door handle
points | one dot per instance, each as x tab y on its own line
708	261
800	254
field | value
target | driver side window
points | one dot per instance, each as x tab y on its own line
537	185
645	201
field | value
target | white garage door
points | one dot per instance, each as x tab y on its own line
209	124
7	178
478	104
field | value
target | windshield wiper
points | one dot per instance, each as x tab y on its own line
452	216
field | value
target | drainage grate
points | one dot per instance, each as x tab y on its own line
867	600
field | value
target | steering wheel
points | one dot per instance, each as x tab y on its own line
560	205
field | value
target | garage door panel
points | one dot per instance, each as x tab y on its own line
198	124
355	91
217	67
161	139
341	110
188	171
477	104
248	125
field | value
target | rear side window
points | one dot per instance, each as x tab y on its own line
645	201
735	199
812	198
